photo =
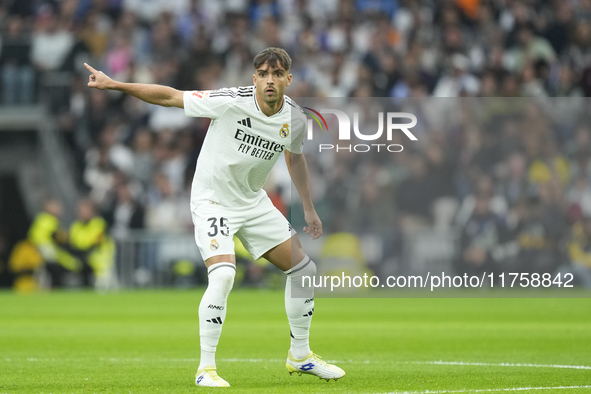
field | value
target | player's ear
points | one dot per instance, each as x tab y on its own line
254	79
289	79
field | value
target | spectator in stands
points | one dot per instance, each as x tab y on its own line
539	230
50	239
125	213
496	204
200	55
149	10
567	85
103	160
415	196
25	264
163	211
377	214
481	236
119	56
577	148
99	175
91	244
529	48
579	252
578	198
5	276
51	42
513	182
440	175
578	52
18	76
547	162
531	84
559	30
143	156
458	81
174	160
97	113
338	80
119	154
95	31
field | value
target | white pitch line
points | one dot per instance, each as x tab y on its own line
489	390
275	360
440	362
251	360
500	364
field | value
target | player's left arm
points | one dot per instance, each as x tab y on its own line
298	170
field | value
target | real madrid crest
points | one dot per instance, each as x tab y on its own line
214	244
284	132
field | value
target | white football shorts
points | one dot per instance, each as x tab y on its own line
260	228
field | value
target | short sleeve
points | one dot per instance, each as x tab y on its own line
298	133
208	103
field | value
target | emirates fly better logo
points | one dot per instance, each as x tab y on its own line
344	132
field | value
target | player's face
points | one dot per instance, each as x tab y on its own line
271	81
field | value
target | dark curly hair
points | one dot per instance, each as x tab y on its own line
273	56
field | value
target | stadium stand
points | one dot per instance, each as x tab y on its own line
527	172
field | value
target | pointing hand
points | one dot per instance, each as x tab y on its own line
98	79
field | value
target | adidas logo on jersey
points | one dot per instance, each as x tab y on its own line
245	122
215	320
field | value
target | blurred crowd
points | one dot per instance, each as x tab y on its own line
507	181
54	257
395	48
136	161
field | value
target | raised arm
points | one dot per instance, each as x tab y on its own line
298	170
150	93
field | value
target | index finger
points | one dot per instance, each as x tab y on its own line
89	67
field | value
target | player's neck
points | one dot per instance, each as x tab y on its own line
269	109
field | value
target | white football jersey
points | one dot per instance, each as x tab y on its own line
241	145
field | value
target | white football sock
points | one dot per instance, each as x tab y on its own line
212	310
300	310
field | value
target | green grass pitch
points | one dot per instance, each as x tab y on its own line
147	342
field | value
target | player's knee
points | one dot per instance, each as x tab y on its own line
306	269
222	277
310	268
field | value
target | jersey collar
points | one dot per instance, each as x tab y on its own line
256	104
